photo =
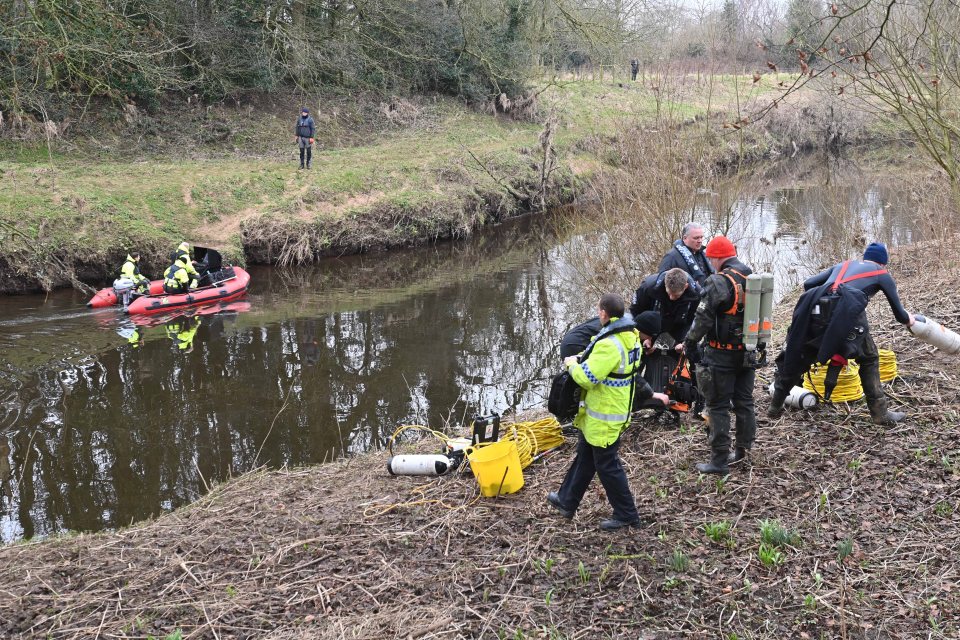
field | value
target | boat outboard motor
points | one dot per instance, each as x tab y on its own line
123	288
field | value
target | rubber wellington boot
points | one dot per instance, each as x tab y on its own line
738	455
717	464
775	410
891	417
880	412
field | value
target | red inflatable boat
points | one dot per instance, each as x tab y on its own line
231	284
108	297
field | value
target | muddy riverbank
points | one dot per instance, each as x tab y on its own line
869	515
438	172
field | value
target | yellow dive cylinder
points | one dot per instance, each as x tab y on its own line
751	311
766	308
932	332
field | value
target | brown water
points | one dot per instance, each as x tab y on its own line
103	423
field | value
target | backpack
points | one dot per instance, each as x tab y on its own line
564	398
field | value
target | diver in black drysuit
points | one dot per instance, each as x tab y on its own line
845	332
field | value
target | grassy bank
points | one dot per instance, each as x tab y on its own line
385	174
837	528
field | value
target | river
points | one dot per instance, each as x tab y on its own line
104	423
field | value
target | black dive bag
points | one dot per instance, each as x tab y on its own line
564	398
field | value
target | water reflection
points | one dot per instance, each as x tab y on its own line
106	420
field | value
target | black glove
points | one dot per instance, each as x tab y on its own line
692	352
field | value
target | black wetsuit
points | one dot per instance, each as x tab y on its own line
804	346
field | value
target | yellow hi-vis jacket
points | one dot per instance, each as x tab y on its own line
605	379
177	276
131	271
183	251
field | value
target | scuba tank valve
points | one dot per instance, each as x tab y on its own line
419	465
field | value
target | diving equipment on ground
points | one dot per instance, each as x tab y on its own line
419	465
486	428
798	398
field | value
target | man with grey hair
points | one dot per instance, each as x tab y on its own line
687	254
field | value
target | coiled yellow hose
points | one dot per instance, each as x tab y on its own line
533	437
848	387
888	365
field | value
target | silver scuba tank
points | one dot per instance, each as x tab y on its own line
419	465
932	332
751	311
766	309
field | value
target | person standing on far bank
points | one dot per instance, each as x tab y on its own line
634	68
304	136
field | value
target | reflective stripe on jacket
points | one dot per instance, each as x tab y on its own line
177	275
606	378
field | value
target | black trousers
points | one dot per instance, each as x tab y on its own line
866	354
604	462
309	154
182	288
725	377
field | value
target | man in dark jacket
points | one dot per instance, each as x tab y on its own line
577	338
687	254
830	325
727	370
675	295
304	135
634	68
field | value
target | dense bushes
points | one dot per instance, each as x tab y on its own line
60	52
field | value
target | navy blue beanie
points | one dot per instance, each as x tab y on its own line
304	110
877	252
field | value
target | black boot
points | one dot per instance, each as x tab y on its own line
775	410
717	464
613	524
738	455
891	417
554	499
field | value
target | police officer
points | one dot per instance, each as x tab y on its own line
607	378
131	271
845	334
687	254
726	371
178	278
673	294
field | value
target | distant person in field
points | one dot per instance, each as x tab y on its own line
634	68
687	254
304	136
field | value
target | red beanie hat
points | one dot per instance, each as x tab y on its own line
720	247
